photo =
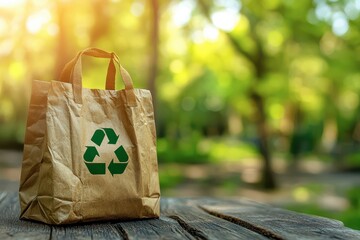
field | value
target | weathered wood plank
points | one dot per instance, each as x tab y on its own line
163	228
204	218
203	225
283	223
13	228
85	231
10	225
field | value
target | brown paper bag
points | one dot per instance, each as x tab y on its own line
89	154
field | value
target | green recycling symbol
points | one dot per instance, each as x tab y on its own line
115	167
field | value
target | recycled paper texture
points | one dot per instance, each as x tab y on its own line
89	154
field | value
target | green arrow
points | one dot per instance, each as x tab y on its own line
121	154
96	168
117	168
98	137
110	133
90	154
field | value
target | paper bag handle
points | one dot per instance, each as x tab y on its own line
72	73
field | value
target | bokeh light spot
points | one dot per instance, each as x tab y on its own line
37	20
225	19
276	111
176	66
301	194
340	24
188	103
137	8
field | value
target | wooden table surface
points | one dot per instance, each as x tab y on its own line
184	218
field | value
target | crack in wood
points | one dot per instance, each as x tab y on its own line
244	224
193	231
2	196
183	219
119	229
51	233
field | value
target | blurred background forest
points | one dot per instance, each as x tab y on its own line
258	99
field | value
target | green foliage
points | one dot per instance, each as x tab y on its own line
230	150
230	186
184	150
309	208
354	197
212	56
350	216
352	161
170	177
194	150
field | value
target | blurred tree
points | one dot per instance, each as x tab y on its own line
154	51
63	48
279	75
258	60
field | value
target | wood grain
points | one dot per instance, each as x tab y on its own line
10	225
183	218
85	231
163	228
201	224
13	228
283	223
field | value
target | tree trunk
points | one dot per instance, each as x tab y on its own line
267	176
154	51
62	51
102	23
258	60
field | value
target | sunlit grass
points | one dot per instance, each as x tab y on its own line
307	201
221	150
170	177
203	150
